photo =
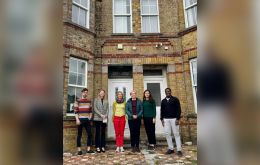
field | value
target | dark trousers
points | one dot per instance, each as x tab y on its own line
150	129
100	134
87	126
134	126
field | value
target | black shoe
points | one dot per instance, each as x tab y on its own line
179	153
137	149
133	149
90	152
103	149
79	152
169	152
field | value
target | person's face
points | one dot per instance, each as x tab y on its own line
85	94
147	94
168	92
102	94
133	95
119	96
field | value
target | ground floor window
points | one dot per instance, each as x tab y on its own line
77	81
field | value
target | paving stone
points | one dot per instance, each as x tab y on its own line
156	157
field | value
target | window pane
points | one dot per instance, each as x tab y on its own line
154	24
75	13
195	15
128	25
188	3
145	2
153	9
190	17
145	24
194	72
119	25
81	67
72	78
78	92
73	65
153	2
149	7
84	3
71	99
122	24
82	17
145	9
155	91
122	6
81	79
77	1
150	24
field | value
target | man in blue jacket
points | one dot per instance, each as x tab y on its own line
134	111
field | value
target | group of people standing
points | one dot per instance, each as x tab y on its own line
133	110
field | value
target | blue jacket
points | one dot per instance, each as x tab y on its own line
139	108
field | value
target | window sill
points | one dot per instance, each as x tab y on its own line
188	30
68	118
85	29
151	34
122	34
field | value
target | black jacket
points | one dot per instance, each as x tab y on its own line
170	109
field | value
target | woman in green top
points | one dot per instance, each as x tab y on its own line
149	108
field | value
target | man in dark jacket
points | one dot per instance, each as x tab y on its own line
170	116
134	111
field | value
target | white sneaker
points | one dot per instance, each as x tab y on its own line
117	149
122	149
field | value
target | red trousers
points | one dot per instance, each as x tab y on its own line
119	125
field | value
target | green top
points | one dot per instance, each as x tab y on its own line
149	108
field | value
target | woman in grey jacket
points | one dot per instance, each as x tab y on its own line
100	119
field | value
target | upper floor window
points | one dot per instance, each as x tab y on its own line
77	81
122	21
80	12
190	11
150	16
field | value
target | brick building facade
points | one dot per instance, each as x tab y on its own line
125	44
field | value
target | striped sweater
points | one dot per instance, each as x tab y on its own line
84	109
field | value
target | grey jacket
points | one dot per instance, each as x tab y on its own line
99	109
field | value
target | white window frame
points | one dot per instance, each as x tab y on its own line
87	9
158	17
185	13
193	84
126	15
78	86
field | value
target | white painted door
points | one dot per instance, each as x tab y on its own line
157	87
114	85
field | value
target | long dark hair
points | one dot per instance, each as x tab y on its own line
150	96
